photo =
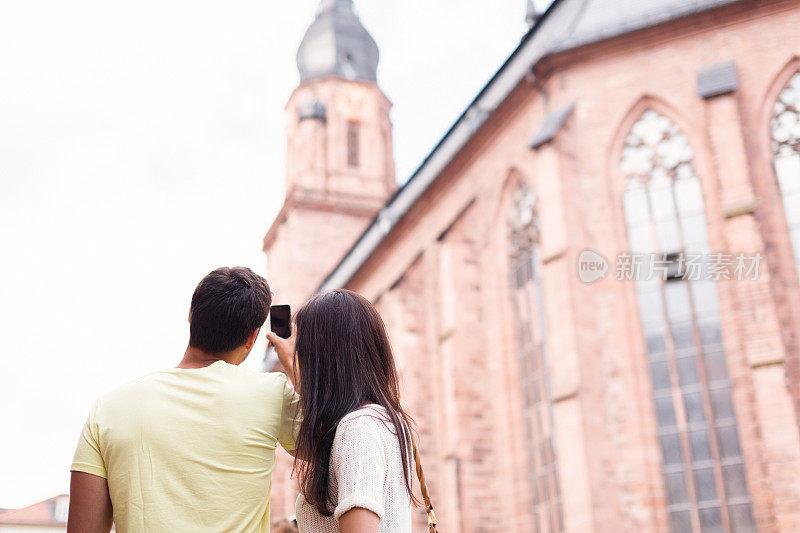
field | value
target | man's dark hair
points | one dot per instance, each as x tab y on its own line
227	306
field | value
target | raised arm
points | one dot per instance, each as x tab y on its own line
291	416
285	350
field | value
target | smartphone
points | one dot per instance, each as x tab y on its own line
279	316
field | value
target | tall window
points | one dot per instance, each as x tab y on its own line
785	129
528	304
703	469
352	143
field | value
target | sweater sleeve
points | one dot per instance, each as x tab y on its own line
360	465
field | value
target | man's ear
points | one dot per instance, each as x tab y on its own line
251	340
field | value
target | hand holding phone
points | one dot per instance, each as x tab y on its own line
281	338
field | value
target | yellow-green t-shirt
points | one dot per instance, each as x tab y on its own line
190	449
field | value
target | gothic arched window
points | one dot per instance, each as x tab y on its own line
702	464
531	326
785	130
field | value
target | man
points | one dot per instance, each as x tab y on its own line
190	448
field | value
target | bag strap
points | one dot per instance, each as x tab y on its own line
424	488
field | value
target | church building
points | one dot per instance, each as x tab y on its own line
568	368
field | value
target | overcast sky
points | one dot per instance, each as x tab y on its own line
141	146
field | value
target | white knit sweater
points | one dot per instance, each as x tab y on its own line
366	471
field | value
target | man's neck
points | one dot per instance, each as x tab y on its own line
197	358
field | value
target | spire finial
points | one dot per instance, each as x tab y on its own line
531	15
330	4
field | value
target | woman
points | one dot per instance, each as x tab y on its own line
354	448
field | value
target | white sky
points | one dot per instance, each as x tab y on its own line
141	146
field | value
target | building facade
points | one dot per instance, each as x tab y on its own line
48	516
548	400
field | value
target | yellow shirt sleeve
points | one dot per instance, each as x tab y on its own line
290	417
88	457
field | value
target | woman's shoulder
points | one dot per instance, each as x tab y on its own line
371	419
370	410
365	436
366	414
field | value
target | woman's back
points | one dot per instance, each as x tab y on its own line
366	471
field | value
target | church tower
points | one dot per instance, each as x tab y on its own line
339	162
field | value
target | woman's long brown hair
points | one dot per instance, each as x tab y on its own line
345	362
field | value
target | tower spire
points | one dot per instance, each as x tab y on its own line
337	44
339	158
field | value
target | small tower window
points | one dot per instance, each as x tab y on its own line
352	143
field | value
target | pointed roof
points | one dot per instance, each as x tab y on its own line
336	44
